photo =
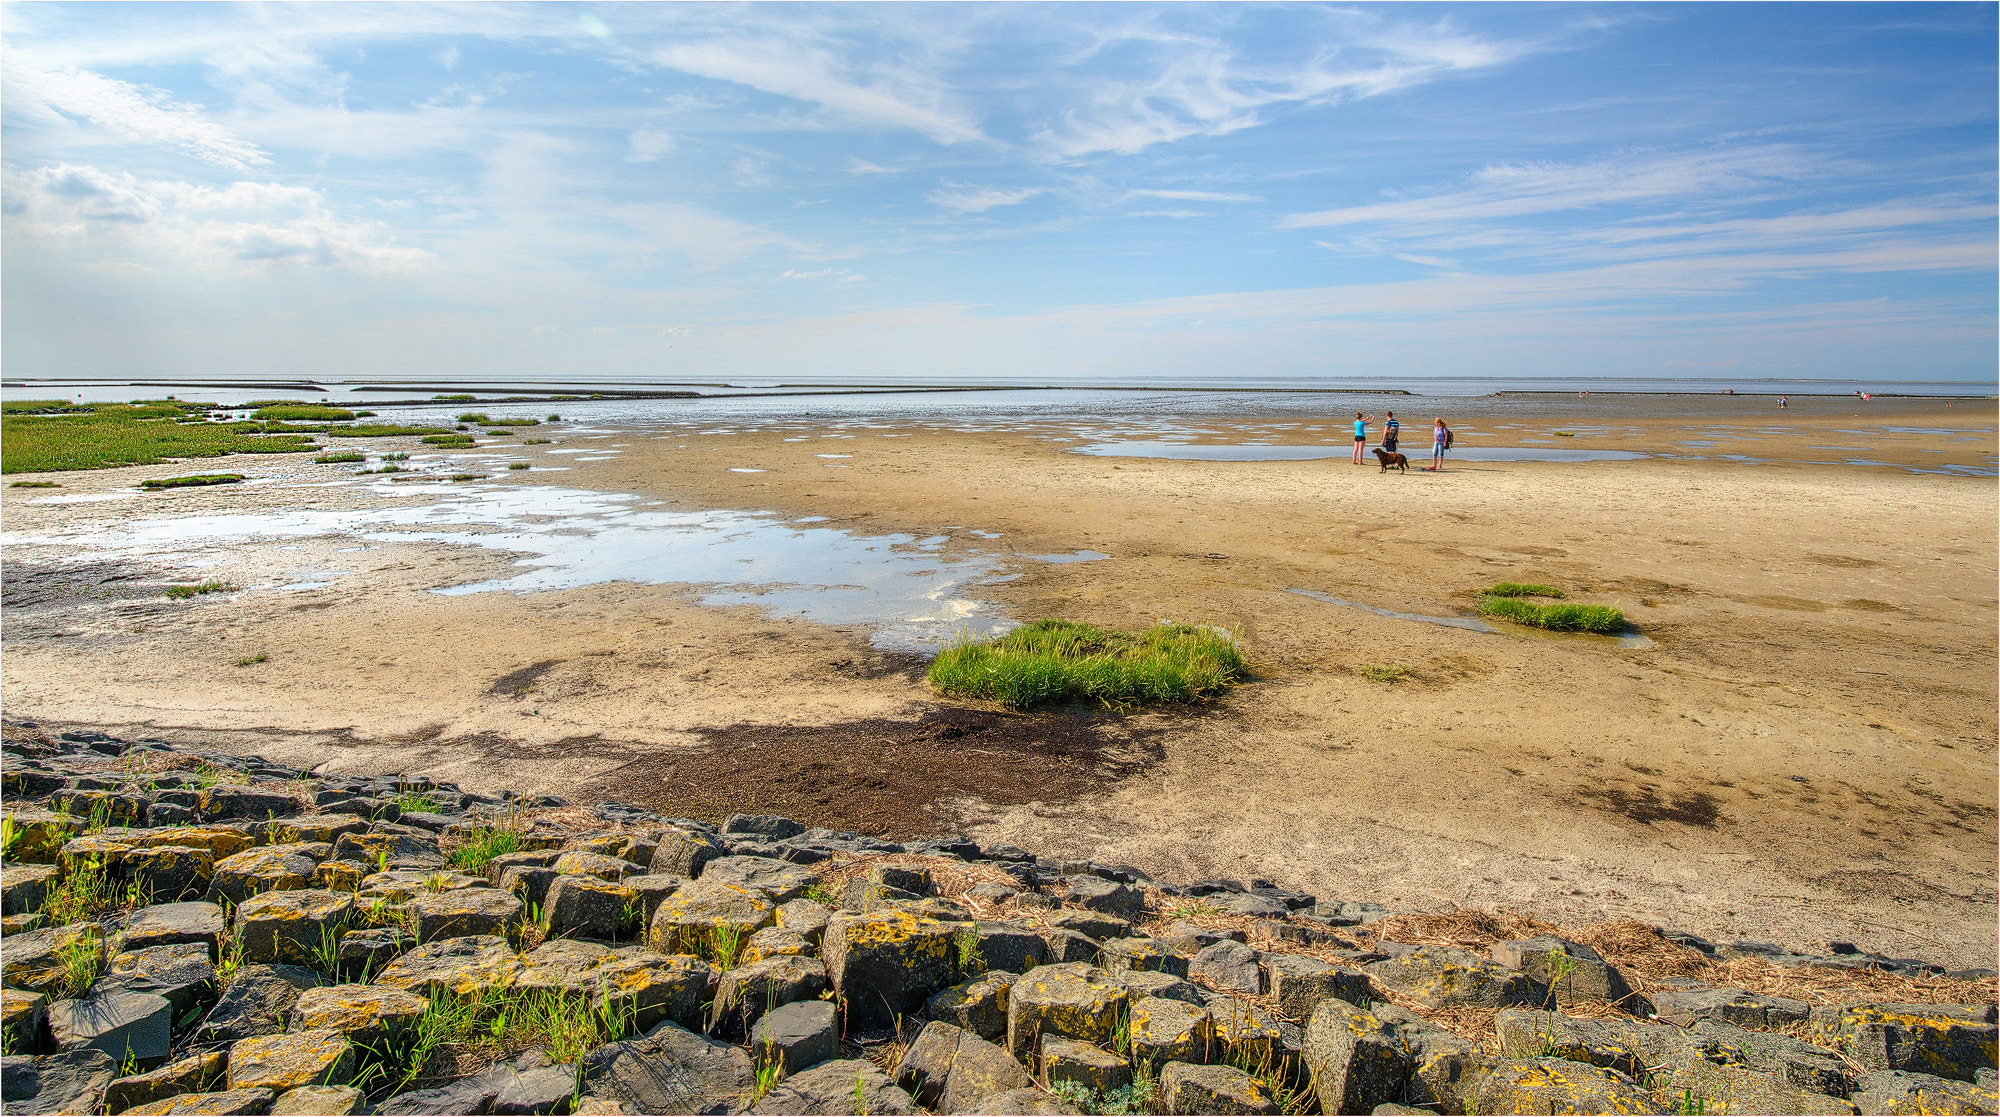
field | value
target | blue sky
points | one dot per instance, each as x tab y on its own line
1106	192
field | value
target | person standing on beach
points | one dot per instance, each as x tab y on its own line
1440	438
1360	435
1782	402
1391	430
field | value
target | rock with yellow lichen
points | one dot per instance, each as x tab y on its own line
1165	1031
40	961
1355	1059
1902	1092
462	966
591	906
1442	977
706	918
280	868
1195	1088
1561	1086
290	926
1074	1000
648	988
251	1100
458	912
366	1014
886	963
39	835
1949	1041
747	992
317	1057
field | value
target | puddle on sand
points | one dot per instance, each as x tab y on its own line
1236	452
1076	556
1470	624
906	592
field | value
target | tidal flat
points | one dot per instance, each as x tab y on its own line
688	603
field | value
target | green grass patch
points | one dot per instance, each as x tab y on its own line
497	433
191	481
1521	589
252	660
339	456
1060	661
46	439
198	589
536	441
517	465
1384	672
1563	434
1555	618
455	399
468	477
34	485
474	417
308	411
42	407
450	441
380	430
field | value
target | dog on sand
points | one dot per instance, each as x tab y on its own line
1391	457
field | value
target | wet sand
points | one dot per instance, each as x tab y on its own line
1803	751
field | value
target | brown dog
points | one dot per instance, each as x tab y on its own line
1391	457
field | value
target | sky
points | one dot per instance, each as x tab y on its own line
1125	193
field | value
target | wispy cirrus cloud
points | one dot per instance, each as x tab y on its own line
1193	196
979	199
131	112
1522	189
895	97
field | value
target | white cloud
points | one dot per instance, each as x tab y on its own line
448	57
979	199
124	221
749	172
1516	190
647	145
891	98
128	111
1168	213
1192	196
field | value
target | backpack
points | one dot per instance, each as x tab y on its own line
1448	433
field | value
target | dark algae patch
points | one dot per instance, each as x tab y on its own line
881	776
515	684
1645	805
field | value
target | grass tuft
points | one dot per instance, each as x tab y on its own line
198	589
1058	661
1555	618
191	481
339	456
1384	672
450	441
517	465
34	485
252	660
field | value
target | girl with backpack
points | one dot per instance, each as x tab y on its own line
1440	442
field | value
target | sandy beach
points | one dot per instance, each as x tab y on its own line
1795	745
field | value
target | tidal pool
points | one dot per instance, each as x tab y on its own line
906	591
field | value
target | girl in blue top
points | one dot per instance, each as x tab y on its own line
1360	434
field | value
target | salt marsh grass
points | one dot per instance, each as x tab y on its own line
191	481
1555	618
1054	661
